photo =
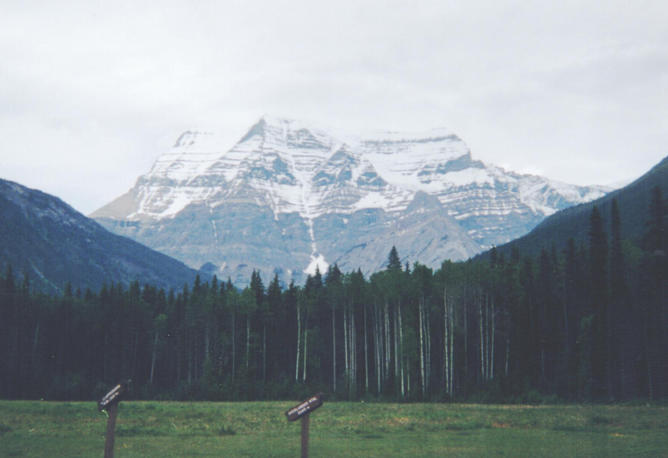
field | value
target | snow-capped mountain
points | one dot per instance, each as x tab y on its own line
289	197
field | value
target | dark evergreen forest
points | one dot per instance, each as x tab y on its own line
587	323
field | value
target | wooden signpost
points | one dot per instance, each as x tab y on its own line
302	410
109	402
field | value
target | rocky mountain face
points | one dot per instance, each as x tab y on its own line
288	198
53	244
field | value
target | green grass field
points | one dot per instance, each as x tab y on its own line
34	428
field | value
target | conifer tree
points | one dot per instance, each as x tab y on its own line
393	261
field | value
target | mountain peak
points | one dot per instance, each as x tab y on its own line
256	129
293	191
273	120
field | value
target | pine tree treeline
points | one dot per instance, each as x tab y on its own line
588	323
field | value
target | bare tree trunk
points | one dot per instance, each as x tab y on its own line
422	368
264	353
35	341
507	353
486	324
427	334
466	338
482	342
396	351
305	346
366	356
408	382
353	354
610	361
247	341
333	349
234	343
488	340
451	388
388	343
446	340
134	353
378	349
567	339
153	357
648	362
188	355
346	351
491	363
543	379
401	348
206	342
299	336
105	361
351	351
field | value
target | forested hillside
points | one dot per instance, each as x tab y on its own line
55	244
573	222
583	323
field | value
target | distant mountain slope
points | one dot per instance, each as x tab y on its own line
288	197
633	201
54	244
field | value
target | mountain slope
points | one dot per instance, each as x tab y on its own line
633	201
53	243
292	197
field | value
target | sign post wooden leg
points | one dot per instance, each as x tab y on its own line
111	430
302	411
305	419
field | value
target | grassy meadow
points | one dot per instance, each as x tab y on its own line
39	428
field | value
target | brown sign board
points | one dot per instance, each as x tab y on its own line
113	396
305	407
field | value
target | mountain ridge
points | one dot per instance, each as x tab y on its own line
573	222
54	244
290	168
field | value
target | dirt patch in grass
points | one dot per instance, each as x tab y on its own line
500	425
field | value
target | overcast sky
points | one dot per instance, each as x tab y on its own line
92	92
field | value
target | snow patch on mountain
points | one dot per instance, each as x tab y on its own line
468	177
318	264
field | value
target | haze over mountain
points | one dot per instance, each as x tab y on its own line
54	244
289	198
